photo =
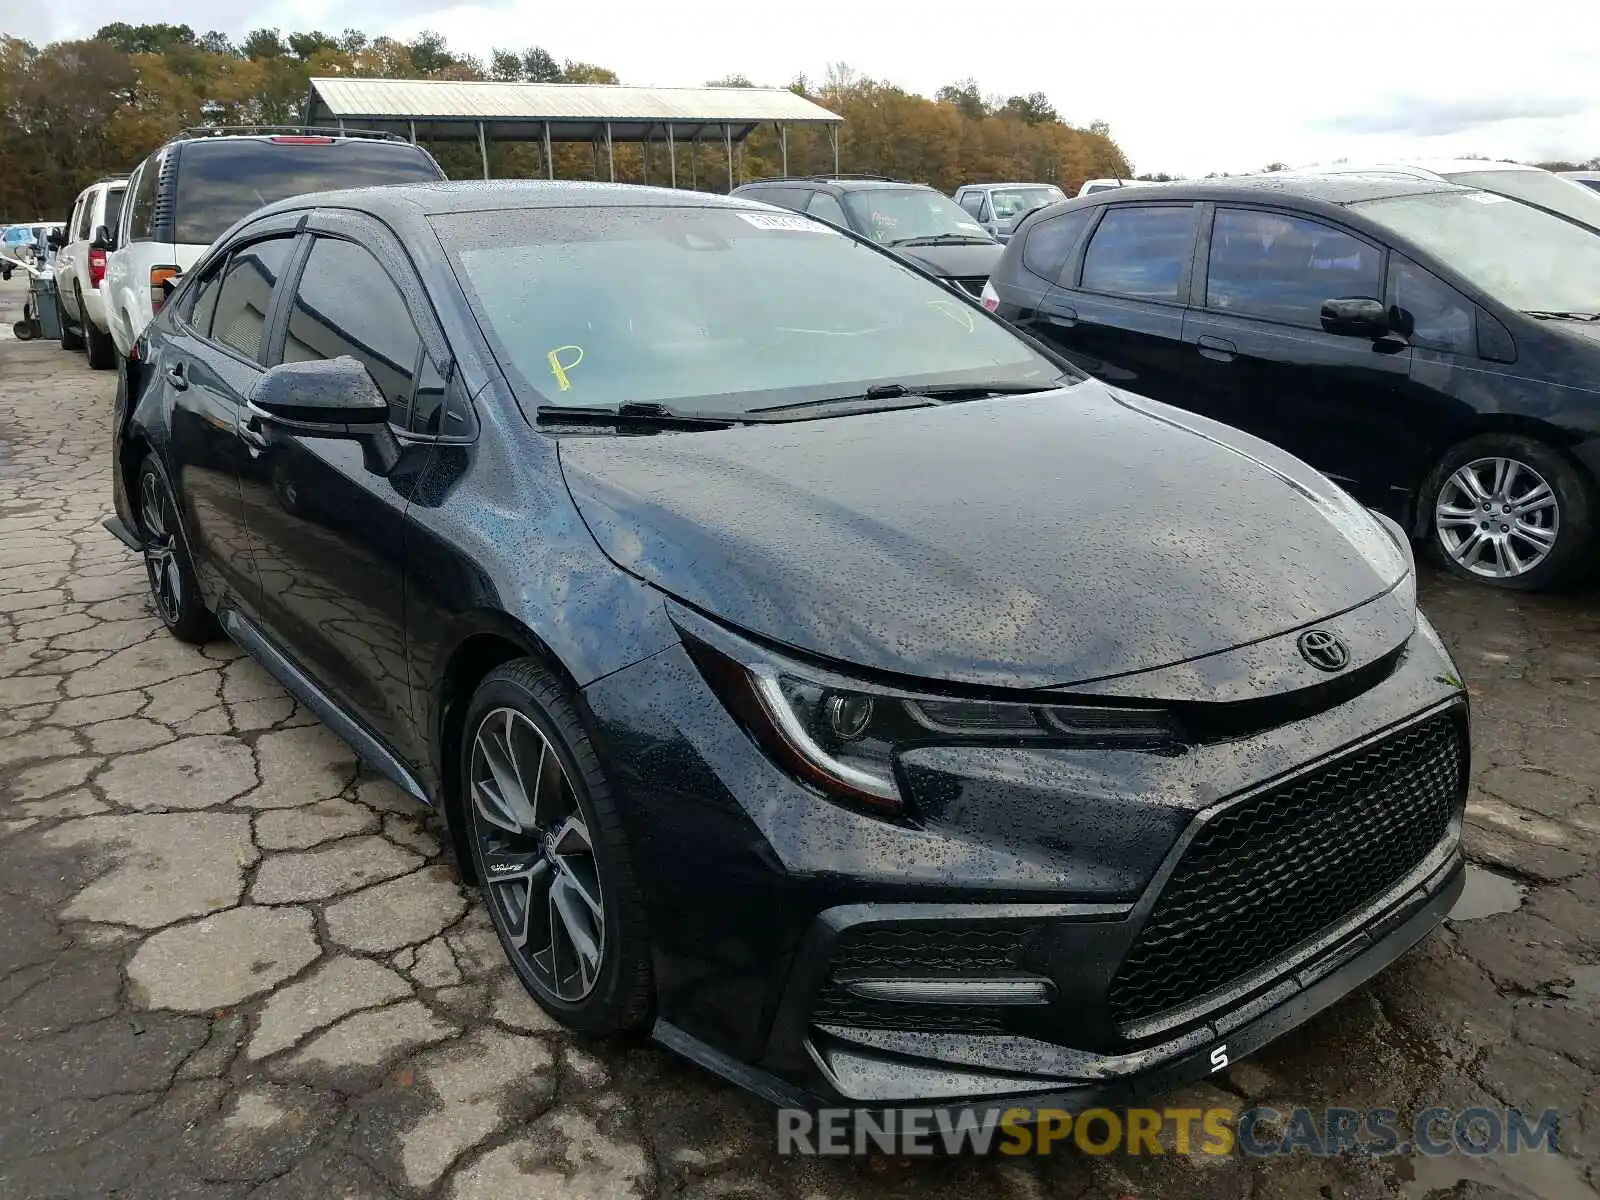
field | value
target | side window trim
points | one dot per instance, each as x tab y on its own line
1202	299
224	259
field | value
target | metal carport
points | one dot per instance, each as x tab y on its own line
546	113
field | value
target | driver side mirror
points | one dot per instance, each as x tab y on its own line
1356	317
328	398
101	239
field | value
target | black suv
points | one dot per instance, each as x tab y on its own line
1434	348
918	223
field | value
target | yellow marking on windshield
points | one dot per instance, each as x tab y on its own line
559	369
957	312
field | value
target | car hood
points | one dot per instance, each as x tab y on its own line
1023	542
954	262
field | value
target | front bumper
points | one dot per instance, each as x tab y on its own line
754	882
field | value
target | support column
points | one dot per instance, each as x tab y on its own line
727	146
549	155
783	141
483	149
833	136
611	159
647	155
672	155
413	126
694	162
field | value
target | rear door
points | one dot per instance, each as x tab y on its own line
328	532
1257	357
1119	312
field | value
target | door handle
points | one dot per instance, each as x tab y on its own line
1062	315
176	378
250	430
1215	348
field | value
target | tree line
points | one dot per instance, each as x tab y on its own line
74	111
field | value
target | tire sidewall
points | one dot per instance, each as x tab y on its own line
604	1009
1573	497
194	623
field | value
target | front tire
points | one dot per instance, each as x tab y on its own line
173	586
551	856
1509	512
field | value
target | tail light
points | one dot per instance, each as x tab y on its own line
160	277
300	140
989	298
97	267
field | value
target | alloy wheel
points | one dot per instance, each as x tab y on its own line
160	550
537	859
1497	517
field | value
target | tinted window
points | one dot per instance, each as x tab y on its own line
713	309
784	197
223	179
81	217
347	304
1141	252
826	207
203	300
428	411
142	213
1438	316
1589	183
240	319
972	202
113	209
1050	243
1282	268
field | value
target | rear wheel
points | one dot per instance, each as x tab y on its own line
101	350
549	851
173	586
71	335
1510	512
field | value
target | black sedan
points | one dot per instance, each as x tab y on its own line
811	670
1434	348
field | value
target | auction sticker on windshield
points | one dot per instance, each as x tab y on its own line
795	224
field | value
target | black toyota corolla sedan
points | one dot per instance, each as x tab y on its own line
812	670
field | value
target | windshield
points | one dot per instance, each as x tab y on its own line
1537	187
890	216
1011	202
1522	257
714	310
223	179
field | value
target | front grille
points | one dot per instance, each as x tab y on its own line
1281	867
971	284
918	951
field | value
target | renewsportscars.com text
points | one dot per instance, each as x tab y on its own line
1254	1132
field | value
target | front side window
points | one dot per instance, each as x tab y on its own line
221	180
1433	313
245	298
900	216
1526	259
347	304
826	207
711	309
1142	252
1050	243
202	302
1282	268
973	203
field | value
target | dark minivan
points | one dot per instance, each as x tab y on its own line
1434	348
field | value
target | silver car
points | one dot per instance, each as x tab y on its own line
999	206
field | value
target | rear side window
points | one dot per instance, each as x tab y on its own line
783	197
221	180
1141	252
1433	313
826	207
82	217
142	211
240	320
347	304
1050	243
1282	268
113	209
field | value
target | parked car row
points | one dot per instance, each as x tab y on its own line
814	670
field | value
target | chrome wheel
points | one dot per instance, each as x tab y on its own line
537	860
160	550
1497	517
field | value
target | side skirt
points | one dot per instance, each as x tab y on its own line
371	750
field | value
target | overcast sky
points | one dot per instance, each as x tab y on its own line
1187	88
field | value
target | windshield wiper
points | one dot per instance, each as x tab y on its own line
1557	315
941	239
930	394
635	412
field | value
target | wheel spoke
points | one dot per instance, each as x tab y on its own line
581	875
1535	499
1502	476
1539	535
1467	549
571	837
492	807
569	924
1467	480
500	760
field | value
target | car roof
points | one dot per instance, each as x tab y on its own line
1015	184
1329	189
835	181
1580	174
1438	168
437	199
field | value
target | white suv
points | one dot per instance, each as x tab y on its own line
189	192
81	271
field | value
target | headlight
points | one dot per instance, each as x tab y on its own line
842	736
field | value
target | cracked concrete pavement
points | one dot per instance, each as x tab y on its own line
233	963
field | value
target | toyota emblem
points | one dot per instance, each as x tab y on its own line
1323	650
